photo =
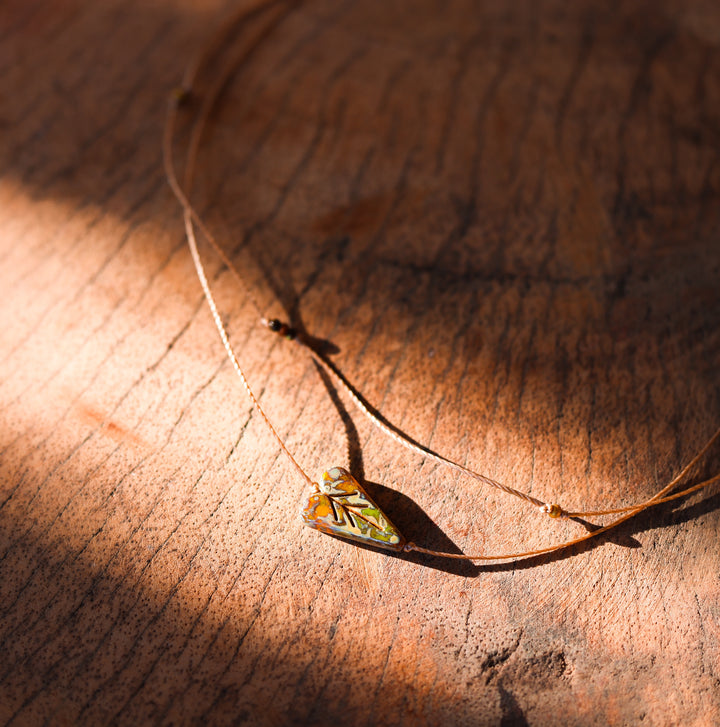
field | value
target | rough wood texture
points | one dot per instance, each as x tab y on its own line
504	220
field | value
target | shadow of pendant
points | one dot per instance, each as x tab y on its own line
341	507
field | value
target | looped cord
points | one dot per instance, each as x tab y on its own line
186	92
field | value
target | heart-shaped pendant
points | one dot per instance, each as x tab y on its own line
341	507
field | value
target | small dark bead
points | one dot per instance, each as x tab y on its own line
290	334
275	325
181	95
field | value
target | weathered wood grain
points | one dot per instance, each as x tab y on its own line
503	219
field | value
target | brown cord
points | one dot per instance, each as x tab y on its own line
189	213
658	498
575	541
192	218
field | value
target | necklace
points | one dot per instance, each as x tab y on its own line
338	505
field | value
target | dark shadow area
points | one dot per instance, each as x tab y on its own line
665	515
418	528
280	281
512	713
85	110
407	516
355	458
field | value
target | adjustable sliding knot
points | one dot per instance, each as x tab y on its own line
282	329
552	510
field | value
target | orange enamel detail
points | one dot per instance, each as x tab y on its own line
342	507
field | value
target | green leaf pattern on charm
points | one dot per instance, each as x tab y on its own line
342	507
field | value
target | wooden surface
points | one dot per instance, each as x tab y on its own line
503	219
